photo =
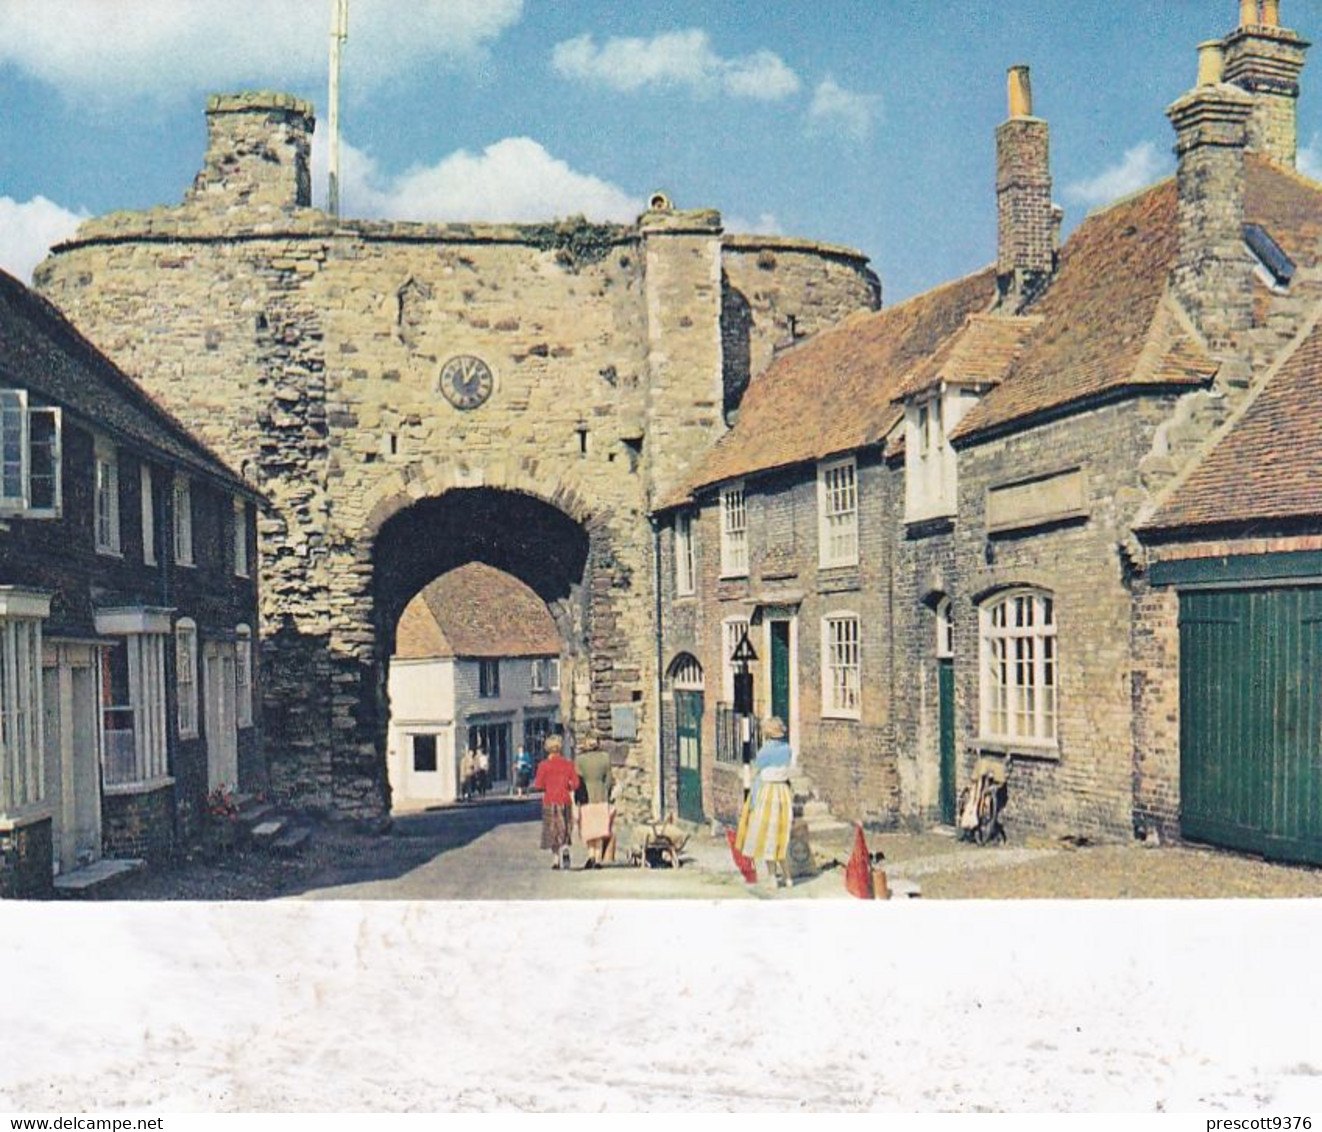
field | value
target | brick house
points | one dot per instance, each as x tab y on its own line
476	665
127	607
968	508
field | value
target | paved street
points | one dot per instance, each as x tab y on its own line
489	851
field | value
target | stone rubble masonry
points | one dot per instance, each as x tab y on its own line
1213	273
307	350
1266	62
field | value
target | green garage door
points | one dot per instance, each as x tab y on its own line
1251	720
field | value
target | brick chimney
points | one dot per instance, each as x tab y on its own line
1213	274
1265	60
1027	223
258	153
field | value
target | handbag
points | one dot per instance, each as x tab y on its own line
581	793
595	821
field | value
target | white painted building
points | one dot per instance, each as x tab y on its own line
476	665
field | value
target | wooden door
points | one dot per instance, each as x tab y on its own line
222	737
71	710
1251	720
780	670
688	735
946	707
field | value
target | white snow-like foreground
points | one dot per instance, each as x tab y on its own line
816	1005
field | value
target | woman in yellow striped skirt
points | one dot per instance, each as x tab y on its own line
764	824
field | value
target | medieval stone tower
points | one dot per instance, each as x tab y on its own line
411	397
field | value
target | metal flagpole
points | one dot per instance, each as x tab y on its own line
339	33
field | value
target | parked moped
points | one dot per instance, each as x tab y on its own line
984	802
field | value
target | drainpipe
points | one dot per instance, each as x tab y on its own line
659	796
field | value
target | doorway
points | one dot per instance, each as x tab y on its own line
70	677
219	673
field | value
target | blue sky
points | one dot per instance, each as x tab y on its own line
863	123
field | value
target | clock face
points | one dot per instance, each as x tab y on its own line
466	381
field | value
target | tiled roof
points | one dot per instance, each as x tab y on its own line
1107	322
979	355
1268	466
42	352
834	392
1104	324
475	611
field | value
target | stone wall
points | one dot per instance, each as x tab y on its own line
25	862
308	352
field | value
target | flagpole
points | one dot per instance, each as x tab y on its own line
339	33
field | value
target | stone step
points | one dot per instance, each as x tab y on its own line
264	833
258	813
94	879
292	841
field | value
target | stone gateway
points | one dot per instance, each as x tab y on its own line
413	397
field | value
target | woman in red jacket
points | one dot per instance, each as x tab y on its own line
557	779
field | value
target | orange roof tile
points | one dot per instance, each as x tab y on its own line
833	392
1103	325
979	355
475	611
1268	466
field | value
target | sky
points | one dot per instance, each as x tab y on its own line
867	123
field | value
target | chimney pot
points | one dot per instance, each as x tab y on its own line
1021	92
1248	13
1211	62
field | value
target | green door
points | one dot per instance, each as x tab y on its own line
1251	720
780	671
946	705
688	733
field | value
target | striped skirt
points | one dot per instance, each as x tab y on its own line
764	832
555	825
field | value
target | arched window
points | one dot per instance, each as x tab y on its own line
686	673
185	677
945	629
1020	669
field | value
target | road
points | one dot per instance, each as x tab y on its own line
489	851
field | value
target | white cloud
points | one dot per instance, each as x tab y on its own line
1310	159
836	109
105	49
674	59
1139	167
514	180
27	231
765	225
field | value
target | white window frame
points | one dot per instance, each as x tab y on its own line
734	531
732	629
240	539
243	675
183	521
16	436
842	665
684	559
105	508
1019	680
22	750
945	629
148	514
536	676
185	677
553	669
837	512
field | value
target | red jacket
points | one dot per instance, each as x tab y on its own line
558	778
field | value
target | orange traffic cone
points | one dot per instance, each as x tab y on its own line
858	873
